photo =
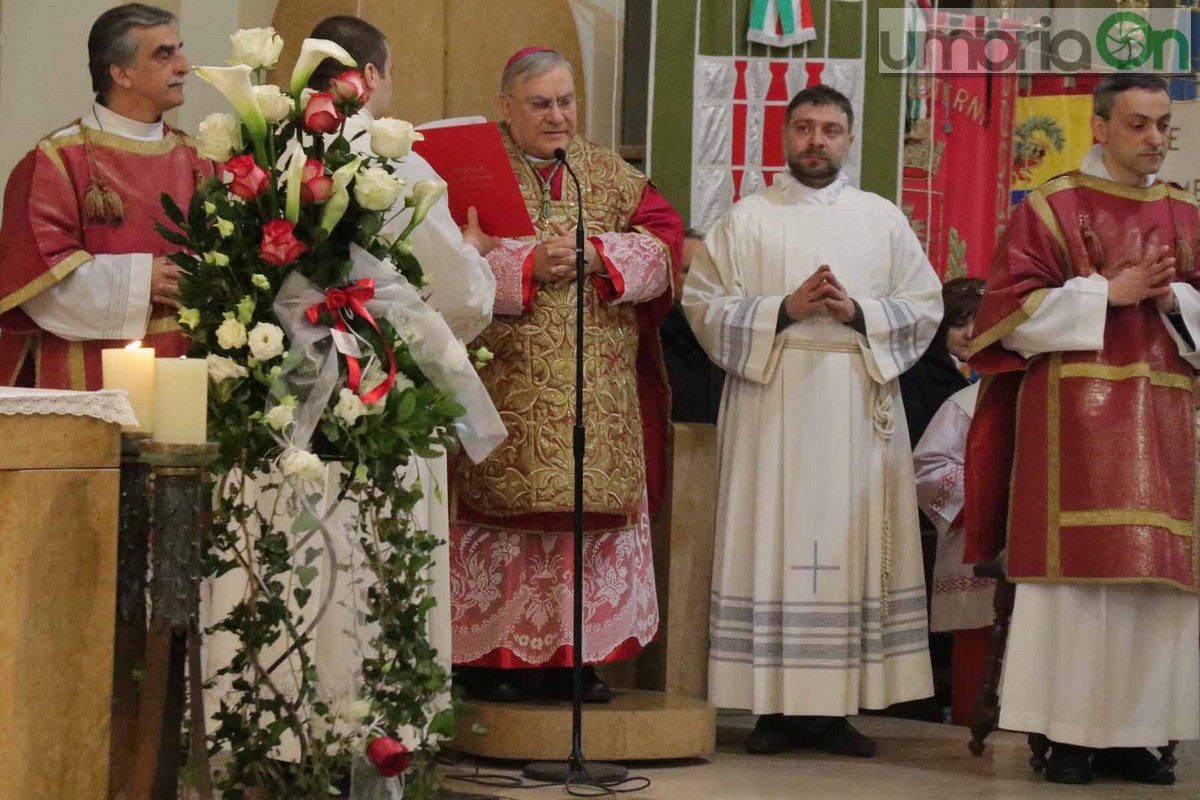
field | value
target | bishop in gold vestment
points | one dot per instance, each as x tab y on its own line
511	566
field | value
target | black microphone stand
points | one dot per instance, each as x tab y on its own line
575	770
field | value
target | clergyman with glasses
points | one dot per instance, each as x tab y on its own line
511	565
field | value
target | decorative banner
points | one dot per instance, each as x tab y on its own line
959	136
1052	135
737	123
781	23
1183	159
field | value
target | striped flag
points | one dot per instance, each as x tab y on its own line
781	23
738	110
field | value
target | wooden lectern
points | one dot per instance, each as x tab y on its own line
59	491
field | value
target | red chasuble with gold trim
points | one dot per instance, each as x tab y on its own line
1082	464
45	237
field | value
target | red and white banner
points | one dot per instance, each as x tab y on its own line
738	112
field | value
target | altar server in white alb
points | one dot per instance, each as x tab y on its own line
814	297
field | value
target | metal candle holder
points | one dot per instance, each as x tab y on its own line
173	508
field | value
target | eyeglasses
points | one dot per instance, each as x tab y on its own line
542	105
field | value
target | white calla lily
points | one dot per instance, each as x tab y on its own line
345	174
425	194
234	83
294	157
312	53
335	207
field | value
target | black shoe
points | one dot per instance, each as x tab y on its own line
836	735
560	685
1069	763
1135	764
772	734
491	685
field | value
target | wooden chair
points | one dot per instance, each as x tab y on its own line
985	717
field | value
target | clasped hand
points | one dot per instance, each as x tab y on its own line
554	258
821	293
1146	274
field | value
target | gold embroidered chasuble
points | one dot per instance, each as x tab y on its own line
531	378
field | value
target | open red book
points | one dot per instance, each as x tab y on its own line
472	160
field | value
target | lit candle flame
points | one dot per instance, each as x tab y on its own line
133	345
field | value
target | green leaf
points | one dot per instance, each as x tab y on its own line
172	209
305	522
406	407
370	225
442	724
196	215
311	554
306	575
171	235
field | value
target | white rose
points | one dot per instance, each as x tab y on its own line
280	416
266	341
302	464
221	368
256	47
220	136
392	138
274	104
231	335
356	711
371	379
376	190
349	407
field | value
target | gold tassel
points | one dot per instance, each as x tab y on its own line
101	205
1187	256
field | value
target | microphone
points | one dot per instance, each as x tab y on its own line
560	155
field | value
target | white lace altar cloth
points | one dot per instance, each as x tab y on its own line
110	405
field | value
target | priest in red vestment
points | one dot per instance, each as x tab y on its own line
511	548
81	266
1081	461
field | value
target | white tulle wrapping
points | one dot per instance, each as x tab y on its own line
312	371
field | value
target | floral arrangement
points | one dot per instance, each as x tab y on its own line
320	351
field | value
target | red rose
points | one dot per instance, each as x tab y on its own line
321	115
249	179
279	244
388	756
349	86
315	185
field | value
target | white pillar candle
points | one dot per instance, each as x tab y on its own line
181	401
132	368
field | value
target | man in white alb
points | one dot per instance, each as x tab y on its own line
814	296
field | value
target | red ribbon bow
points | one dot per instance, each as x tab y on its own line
352	301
